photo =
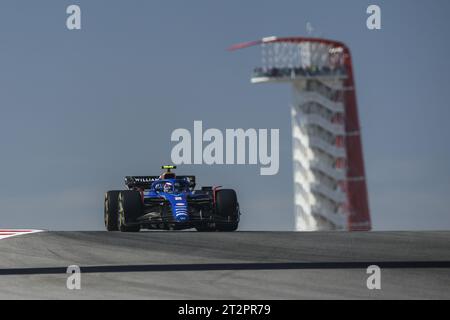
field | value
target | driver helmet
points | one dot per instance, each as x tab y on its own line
168	187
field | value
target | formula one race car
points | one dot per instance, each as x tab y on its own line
170	202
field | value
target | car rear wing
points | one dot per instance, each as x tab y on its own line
141	182
145	182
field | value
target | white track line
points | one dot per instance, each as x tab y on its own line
8	233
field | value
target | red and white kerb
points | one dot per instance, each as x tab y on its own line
8	233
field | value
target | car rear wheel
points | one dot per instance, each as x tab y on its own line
129	209
111	210
229	227
227	208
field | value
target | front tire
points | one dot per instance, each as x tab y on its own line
129	209
111	210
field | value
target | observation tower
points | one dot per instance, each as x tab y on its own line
330	191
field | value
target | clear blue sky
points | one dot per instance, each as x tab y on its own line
80	110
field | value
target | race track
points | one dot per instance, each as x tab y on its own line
240	265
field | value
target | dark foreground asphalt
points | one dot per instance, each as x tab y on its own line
240	265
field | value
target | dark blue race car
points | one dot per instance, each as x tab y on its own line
170	202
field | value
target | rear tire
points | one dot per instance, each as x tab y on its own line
129	209
229	227
228	208
111	210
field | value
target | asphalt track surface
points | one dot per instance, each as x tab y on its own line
239	265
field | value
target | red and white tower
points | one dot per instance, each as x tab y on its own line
329	181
